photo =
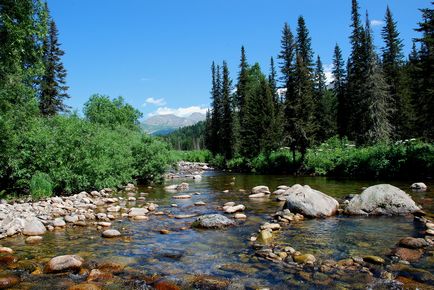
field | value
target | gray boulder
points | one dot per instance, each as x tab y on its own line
213	221
34	227
381	199
64	263
309	202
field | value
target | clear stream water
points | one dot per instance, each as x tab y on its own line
224	253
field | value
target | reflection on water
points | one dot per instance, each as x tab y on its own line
225	253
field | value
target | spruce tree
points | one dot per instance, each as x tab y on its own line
393	67
216	111
242	79
305	105
53	88
375	105
287	68
338	83
227	133
424	100
320	89
355	71
278	118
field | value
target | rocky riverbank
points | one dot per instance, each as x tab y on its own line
96	208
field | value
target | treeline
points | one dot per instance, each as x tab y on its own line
43	147
187	138
374	97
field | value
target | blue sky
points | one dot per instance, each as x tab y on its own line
157	54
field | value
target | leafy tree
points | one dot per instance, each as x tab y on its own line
53	88
339	76
100	109
393	67
22	30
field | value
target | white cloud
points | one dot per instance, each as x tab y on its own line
145	79
156	102
180	112
328	73
376	22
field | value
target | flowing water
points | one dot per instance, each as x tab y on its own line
224	253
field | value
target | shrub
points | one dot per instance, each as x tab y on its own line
203	156
41	185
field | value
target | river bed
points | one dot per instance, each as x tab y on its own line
225	254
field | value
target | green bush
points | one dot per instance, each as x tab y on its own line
41	185
407	159
78	155
218	161
203	156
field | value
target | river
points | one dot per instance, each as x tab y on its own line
224	254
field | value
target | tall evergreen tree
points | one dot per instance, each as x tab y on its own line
242	79
216	113
320	88
375	105
355	70
287	68
393	67
227	133
53	88
339	76
424	100
305	105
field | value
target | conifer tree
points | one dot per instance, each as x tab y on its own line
322	130
227	133
305	106
393	67
338	83
278	110
53	88
242	79
375	104
424	98
216	113
287	68
355	69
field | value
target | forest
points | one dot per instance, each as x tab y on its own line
291	120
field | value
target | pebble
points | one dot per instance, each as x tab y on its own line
34	239
164	232
6	250
199	203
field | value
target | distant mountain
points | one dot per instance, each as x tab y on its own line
165	124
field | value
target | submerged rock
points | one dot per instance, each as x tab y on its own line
310	202
304	259
64	263
85	286
413	243
8	281
382	199
213	221
233	209
373	259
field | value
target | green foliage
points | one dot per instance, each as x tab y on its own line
41	185
203	156
111	113
218	161
404	159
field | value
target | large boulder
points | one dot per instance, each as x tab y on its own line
34	227
381	199
213	221
310	202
